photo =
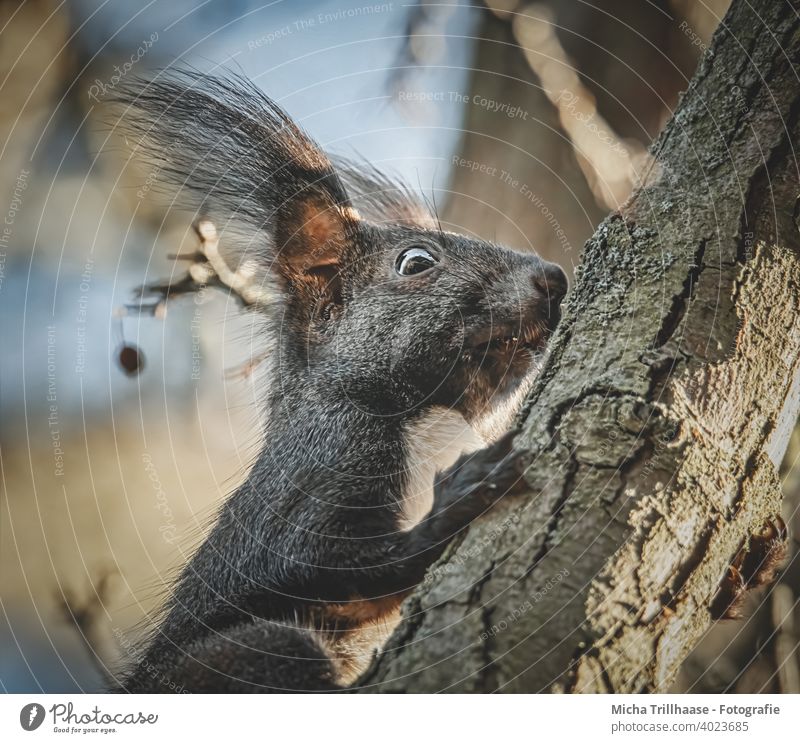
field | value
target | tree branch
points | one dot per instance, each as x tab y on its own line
208	268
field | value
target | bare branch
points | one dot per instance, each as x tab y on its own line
88	617
208	268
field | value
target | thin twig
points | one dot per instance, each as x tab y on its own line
208	268
87	617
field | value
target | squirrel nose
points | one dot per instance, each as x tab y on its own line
551	281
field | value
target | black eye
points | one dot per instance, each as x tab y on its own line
414	260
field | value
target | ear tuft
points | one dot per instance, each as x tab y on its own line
240	159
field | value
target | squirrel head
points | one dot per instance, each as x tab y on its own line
418	316
373	300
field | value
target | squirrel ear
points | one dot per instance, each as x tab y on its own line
223	141
311	240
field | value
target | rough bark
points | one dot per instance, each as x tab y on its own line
658	422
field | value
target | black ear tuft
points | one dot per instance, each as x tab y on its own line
381	198
237	156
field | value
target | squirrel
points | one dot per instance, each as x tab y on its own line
400	355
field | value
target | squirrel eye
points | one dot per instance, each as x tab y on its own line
414	260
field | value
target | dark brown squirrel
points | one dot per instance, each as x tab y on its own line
401	353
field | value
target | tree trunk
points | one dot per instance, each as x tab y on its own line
659	420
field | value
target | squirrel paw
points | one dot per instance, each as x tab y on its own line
756	564
478	480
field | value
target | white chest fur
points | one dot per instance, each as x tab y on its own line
433	443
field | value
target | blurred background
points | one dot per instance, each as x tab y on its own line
524	122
